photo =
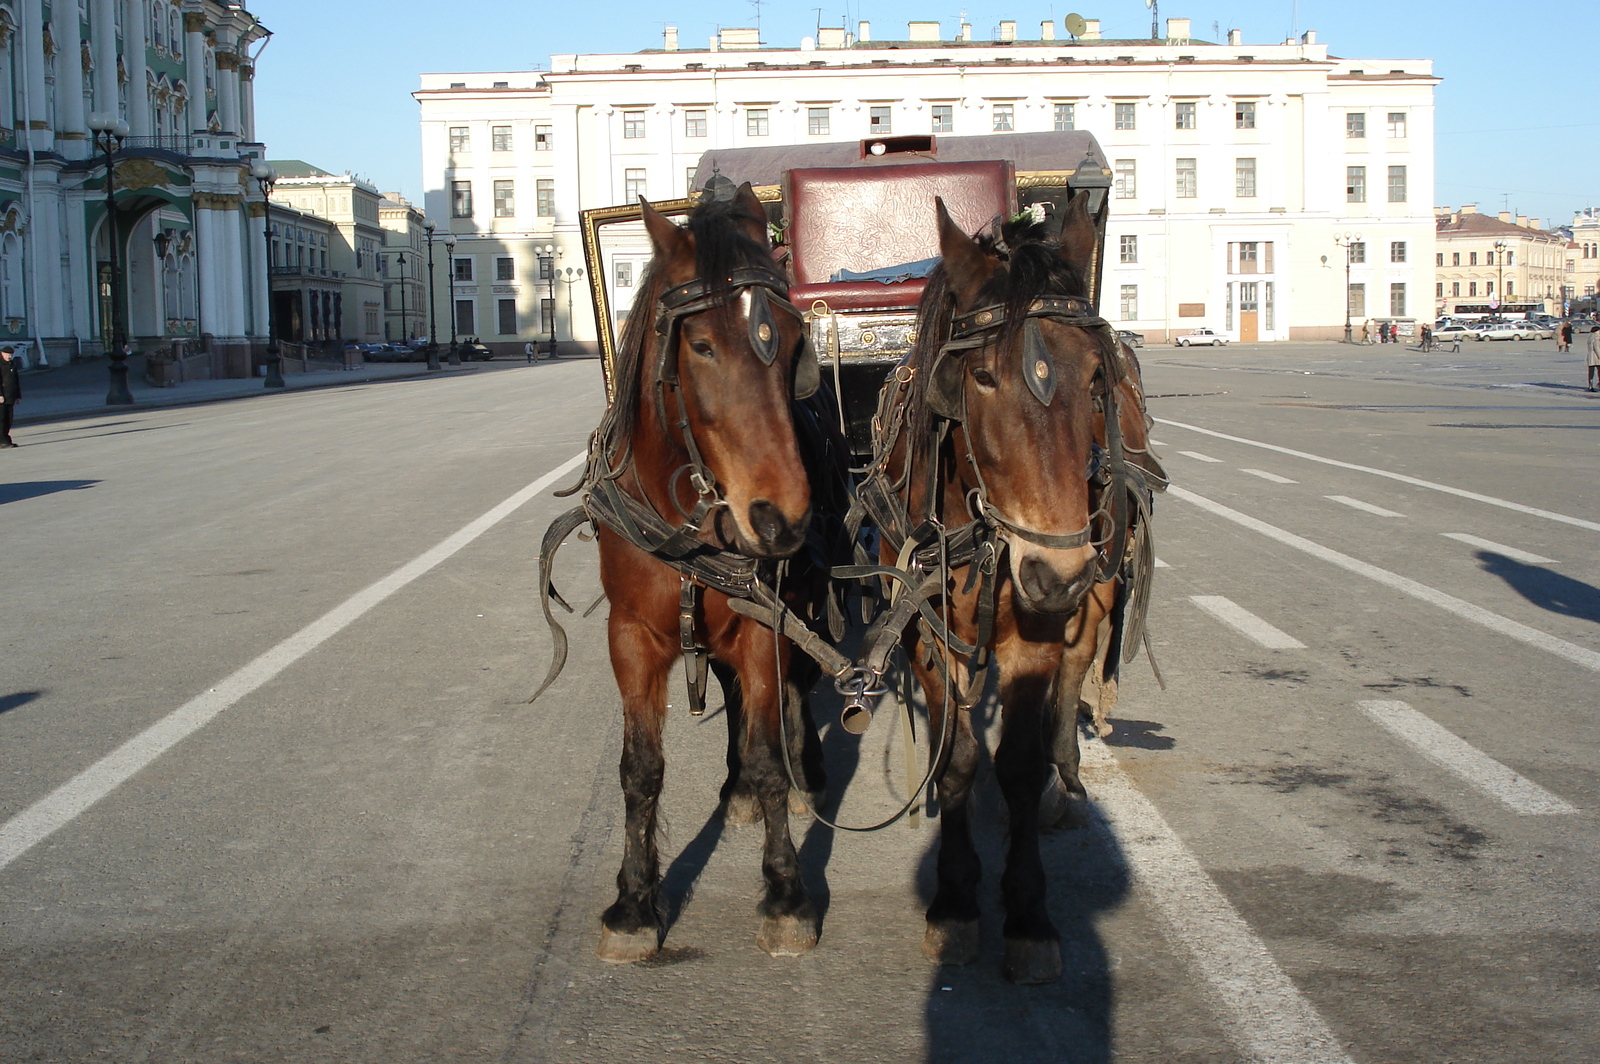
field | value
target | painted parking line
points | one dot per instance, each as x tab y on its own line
1198	457
1158	443
1161	564
1264	475
1474	766
1246	623
1359	505
1401	477
1262	1011
1499	548
59	808
1461	608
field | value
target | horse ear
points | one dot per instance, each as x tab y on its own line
751	215
1079	238
964	261
667	239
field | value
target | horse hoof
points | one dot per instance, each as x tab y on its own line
1060	809
951	941
741	809
627	947
1032	960
797	802
787	936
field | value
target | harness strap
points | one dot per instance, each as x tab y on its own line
695	656
554	536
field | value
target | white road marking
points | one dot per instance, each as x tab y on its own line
1242	620
1499	548
1161	564
1467	761
1460	607
1158	443
1359	505
54	811
1447	489
1275	478
1198	457
1263	1012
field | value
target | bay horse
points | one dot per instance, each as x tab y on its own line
697	480
993	433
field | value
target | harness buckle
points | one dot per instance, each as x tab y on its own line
703	483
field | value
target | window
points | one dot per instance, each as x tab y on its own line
1004	118
1355	184
507	315
541	138
1439	259
944	117
1249	297
1488	288
1472	288
465	317
633	125
1455	258
1472	258
1126	180
1511	289
1244	178
1511	258
505	269
1249	257
1397	125
1127	116
504	201
1130	248
1066	117
1397	251
1357	305
879	121
817	121
463	268
688	180
1130	302
632	184
1188	181
544	193
1358	251
1397	300
1455	288
547	266
1183	115
460	139
1438	290
1355	125
624	272
500	138
756	122
694	123
547	315
461	199
1397	184
1244	114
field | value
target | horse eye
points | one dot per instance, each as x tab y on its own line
983	377
701	348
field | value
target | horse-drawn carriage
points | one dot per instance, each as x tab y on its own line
828	397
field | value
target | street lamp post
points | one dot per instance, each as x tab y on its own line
109	131
547	267
266	176
1347	241
433	305
405	322
1500	260
450	272
574	274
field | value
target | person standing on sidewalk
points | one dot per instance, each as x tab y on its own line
10	392
527	349
1564	337
1594	363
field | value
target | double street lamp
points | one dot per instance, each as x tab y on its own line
266	177
109	132
573	276
1500	259
1348	241
450	248
547	270
433	304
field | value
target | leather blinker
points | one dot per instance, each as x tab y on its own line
807	370
946	395
1038	368
763	326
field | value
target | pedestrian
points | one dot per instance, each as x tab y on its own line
1366	332
10	392
1427	339
1594	364
1564	336
528	349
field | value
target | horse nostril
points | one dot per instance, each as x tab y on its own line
773	530
1044	590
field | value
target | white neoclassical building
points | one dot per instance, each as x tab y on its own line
1239	166
188	221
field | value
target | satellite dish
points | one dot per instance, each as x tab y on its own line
1075	25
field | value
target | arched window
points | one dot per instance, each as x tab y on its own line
11	301
158	24
175	33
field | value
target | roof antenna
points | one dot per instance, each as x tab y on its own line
1155	17
757	5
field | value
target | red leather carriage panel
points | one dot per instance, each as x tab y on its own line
860	295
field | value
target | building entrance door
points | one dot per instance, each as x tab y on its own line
1248	331
1249	311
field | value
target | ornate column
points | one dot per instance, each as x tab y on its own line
69	76
260	273
209	265
103	52
194	58
134	57
36	121
228	90
247	101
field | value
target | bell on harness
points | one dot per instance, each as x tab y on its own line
861	693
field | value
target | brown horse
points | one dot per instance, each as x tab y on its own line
997	425
698	461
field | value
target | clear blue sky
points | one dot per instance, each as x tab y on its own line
1517	109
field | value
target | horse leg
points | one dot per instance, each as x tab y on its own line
951	935
805	745
630	930
739	804
1065	803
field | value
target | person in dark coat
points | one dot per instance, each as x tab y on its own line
10	391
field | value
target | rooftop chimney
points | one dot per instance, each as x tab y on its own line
965	33
830	37
1469	208
1008	31
743	38
1236	37
1533	223
1047	31
1505	216
1308	37
1091	30
1522	220
922	31
864	31
670	43
1177	29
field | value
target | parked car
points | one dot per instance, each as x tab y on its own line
474	351
1536	330
1449	334
1507	330
1131	338
1202	336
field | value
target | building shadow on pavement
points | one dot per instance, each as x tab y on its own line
17	698
1546	589
32	489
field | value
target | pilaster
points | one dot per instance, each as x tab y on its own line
134	58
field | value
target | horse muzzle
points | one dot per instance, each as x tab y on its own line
767	532
1048	581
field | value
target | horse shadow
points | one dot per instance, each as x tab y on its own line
32	489
17	698
1543	588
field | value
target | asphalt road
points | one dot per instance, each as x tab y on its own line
271	791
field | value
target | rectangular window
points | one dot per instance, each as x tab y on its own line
944	117
1438	290
1004	118
504	200
1511	258
1455	288
500	137
1127	116
756	123
1249	297
507	309
1488	288
1355	184
463	268
632	184
1397	251
1130	302
1244	178
1130	249
1439	259
1271	308
505	269
1355	125
879	121
1184	114
1066	117
1249	257
633	125
688	180
1472	258
1244	114
545	197
694	123
1472	288
1397	300
817	121
1358	301
1511	289
624	272
465	318
1126	180
1188	186
1397	125
541	138
546	266
460	139
1358	251
547	315
461	199
1455	258
1397	184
